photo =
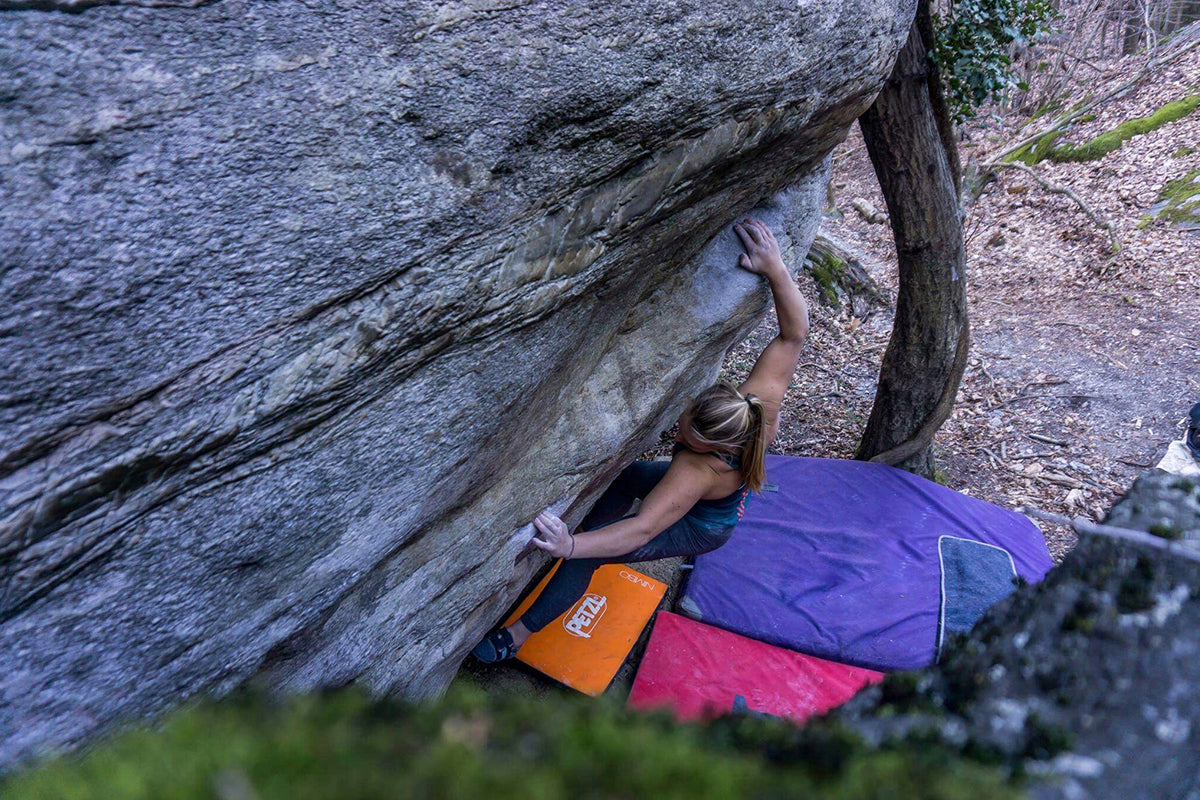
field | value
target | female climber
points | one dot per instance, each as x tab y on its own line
691	504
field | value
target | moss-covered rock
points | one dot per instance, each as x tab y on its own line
1179	201
827	272
472	744
1046	147
842	276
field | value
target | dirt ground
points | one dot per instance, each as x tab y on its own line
1082	365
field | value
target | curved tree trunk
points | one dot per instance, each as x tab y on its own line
923	25
924	361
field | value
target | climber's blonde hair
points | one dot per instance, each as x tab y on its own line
722	418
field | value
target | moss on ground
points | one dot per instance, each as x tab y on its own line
1109	141
471	744
1046	147
828	272
1183	152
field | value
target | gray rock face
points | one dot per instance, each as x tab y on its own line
308	308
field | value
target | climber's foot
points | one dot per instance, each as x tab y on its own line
496	646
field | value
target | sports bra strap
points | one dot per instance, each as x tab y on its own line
728	458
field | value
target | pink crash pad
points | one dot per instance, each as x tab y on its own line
699	671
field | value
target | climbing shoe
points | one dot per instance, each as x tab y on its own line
496	646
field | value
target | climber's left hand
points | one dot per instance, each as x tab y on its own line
555	538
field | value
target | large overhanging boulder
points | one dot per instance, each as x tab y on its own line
309	307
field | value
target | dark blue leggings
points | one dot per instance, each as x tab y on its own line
684	538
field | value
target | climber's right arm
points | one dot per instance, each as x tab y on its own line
776	364
685	481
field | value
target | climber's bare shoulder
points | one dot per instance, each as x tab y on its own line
698	470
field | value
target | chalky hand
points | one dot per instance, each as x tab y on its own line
762	254
555	538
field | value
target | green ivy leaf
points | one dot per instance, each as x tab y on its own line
971	47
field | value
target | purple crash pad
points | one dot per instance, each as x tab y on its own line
840	561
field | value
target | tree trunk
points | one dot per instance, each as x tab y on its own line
923	24
1163	16
1133	28
924	361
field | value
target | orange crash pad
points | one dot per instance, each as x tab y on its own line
586	646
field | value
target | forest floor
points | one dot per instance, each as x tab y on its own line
1100	357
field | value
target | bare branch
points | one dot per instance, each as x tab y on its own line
1069	54
1083	526
1054	188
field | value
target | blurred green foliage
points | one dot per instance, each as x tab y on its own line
471	744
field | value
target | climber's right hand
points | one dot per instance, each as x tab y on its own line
555	539
762	256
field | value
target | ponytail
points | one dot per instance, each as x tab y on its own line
735	424
754	451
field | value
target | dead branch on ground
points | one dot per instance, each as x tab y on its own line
1083	526
1054	188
